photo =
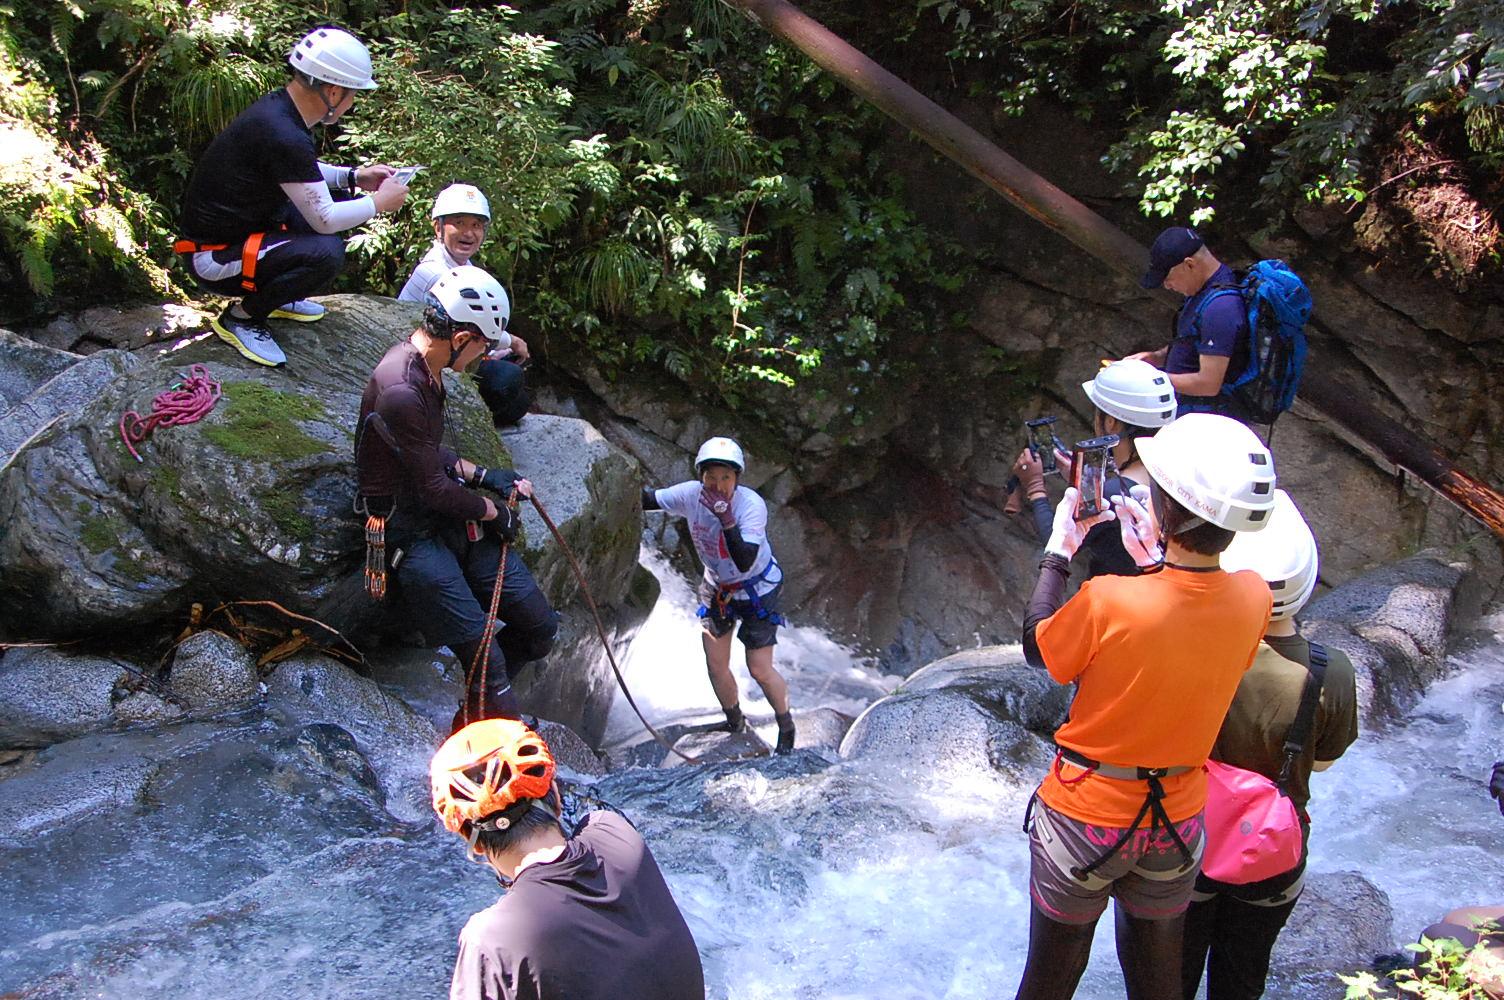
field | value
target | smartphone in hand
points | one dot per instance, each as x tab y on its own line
405	175
1042	441
1090	461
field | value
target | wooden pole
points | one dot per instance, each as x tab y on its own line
1031	193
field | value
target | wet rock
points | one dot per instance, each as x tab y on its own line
1342	923
40	421
591	490
957	731
212	673
714	746
570	750
47	695
144	708
1394	623
999	676
396	740
63	784
334	753
26	365
820	728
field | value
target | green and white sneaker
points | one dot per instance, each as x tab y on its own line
301	311
252	339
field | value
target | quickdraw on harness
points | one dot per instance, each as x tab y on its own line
725	593
376	563
1153	806
190	398
250	253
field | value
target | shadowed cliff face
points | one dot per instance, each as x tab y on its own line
891	531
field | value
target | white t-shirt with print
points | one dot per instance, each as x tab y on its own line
705	529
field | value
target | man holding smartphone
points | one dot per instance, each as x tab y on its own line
259	220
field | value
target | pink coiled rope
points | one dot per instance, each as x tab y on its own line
186	402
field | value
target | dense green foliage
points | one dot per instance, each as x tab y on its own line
673	188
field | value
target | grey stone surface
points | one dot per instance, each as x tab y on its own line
25	365
396	740
144	708
953	730
820	728
1394	623
39	421
706	747
1341	924
590	489
999	676
570	750
212	672
88	776
47	695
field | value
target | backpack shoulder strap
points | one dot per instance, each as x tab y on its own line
1310	697
1221	288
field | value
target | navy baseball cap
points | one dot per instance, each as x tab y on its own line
1170	248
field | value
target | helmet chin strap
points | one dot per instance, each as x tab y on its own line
328	108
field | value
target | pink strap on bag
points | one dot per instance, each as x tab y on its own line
1252	828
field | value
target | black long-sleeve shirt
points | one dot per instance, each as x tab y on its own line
398	442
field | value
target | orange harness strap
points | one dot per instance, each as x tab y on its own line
250	252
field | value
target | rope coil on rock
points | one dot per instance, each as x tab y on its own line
188	401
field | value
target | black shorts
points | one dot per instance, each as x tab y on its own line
755	632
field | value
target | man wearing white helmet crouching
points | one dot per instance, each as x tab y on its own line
1231	927
259	220
461	218
442	540
728	524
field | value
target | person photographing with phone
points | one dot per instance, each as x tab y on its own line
1148	706
728	524
1130	400
443	540
461	220
259	220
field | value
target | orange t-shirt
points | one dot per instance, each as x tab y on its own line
1157	659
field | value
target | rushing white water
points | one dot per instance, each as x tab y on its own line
235	874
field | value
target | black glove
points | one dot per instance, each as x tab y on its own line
499	481
505	524
1496	785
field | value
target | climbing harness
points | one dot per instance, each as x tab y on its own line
724	595
188	401
250	253
1153	807
600	630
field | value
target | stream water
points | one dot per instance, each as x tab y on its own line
234	873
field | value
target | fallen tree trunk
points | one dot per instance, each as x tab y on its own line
1036	196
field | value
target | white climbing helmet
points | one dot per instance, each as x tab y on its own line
1134	392
470	295
461	199
1284	554
330	55
1214	467
721	449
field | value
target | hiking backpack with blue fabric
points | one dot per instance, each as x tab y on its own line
1278	304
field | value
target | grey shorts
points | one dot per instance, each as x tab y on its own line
756	632
1149	876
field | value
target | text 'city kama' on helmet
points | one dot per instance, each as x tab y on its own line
488	774
469	295
722	450
1134	392
1214	467
1284	554
461	199
330	55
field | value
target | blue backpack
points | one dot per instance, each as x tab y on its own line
1278	304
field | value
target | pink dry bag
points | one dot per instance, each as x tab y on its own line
1252	826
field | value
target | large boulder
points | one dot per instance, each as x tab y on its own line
951	731
25	365
1394	624
999	676
590	490
48	695
251	501
1341	923
211	672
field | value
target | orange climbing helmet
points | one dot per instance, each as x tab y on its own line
485	769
